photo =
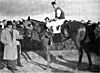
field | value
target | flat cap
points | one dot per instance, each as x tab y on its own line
53	3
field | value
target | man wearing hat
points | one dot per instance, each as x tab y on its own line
8	38
59	19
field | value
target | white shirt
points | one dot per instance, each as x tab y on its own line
2	24
18	43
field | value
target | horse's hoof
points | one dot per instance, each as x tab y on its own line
89	67
50	62
57	59
47	69
76	70
44	68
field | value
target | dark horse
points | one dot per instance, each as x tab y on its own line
77	32
36	37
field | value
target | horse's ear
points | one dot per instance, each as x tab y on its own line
28	18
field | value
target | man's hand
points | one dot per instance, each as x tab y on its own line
21	36
55	19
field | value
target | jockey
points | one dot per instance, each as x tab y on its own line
59	14
59	18
56	23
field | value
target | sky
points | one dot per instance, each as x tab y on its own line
86	9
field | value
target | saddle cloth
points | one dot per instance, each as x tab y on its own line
56	25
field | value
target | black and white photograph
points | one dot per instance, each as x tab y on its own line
49	36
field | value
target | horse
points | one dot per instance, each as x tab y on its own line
74	30
36	36
78	33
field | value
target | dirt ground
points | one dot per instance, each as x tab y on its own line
66	62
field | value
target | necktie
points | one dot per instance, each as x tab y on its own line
11	33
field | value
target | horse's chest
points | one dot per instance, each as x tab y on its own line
45	39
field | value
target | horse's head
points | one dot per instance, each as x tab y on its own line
38	26
28	28
20	28
34	26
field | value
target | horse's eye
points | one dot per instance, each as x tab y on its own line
29	25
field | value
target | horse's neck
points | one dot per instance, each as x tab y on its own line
42	33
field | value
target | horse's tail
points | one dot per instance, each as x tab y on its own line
80	36
81	33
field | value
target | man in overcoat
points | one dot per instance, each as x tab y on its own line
8	38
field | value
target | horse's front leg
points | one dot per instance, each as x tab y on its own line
80	52
48	58
80	56
89	57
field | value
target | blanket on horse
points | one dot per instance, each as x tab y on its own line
56	25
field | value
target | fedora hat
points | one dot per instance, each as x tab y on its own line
9	23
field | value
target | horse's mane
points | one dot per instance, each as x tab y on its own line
40	22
